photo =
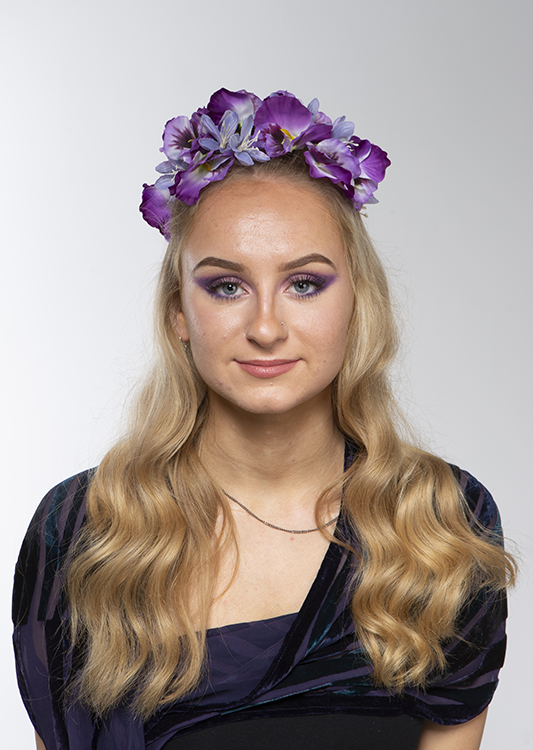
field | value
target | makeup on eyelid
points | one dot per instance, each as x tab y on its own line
321	282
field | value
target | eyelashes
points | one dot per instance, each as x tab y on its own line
308	285
223	288
304	286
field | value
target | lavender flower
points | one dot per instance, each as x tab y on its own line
243	146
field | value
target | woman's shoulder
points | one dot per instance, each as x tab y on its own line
479	501
48	542
60	511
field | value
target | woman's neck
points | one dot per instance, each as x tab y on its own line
273	460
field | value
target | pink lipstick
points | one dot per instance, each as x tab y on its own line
267	368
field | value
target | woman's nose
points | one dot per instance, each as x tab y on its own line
266	326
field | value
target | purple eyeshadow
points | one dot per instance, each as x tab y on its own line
325	281
210	283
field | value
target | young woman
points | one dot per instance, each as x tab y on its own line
262	561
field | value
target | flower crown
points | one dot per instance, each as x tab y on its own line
237	126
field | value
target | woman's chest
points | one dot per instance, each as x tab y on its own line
267	578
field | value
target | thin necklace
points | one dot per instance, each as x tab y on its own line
278	528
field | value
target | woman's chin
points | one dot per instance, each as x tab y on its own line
272	403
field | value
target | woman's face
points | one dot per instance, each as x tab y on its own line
266	297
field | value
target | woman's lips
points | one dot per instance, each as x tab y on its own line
267	368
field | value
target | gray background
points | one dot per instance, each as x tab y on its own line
445	88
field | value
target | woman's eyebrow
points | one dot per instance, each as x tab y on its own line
220	263
211	260
305	259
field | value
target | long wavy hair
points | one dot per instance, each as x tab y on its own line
140	585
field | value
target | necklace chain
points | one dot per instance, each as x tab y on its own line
273	526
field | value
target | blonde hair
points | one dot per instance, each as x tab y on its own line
148	556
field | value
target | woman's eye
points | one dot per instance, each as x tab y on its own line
228	288
307	287
224	288
303	286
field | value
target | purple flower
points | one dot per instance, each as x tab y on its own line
333	159
287	124
204	169
217	138
361	192
155	210
373	160
243	146
169	169
179	136
243	103
227	140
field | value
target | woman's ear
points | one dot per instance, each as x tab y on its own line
179	324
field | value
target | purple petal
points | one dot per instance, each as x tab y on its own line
246	127
375	164
282	92
230	120
165	181
317	132
322	119
359	147
166	167
332	171
363	192
155	210
179	135
313	107
244	103
332	151
284	111
374	161
208	143
318	117
257	155
275	141
228	125
204	170
209	126
342	129
244	158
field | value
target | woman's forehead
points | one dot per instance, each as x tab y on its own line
257	206
274	220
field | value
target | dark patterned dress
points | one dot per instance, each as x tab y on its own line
287	682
